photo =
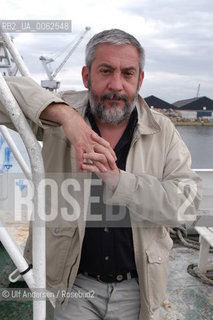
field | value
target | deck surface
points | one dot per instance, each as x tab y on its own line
187	297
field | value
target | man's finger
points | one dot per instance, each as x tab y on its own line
100	140
93	168
79	158
93	156
104	143
95	159
105	151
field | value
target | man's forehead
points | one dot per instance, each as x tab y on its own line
108	53
115	46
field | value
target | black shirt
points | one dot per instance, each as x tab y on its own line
108	245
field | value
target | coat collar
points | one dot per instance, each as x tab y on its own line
146	122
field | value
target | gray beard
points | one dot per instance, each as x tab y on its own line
115	114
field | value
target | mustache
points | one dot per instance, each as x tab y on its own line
111	96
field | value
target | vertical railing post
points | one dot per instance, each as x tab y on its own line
34	152
38	224
5	133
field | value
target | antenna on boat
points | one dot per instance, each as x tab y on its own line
198	90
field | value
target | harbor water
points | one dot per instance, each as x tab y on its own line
199	140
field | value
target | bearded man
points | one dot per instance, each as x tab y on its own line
116	268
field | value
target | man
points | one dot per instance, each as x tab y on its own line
117	270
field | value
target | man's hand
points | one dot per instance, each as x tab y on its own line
97	162
83	138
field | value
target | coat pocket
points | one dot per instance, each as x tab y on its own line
157	270
59	242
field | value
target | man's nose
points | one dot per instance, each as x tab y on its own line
115	82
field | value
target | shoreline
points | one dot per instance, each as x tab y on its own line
193	124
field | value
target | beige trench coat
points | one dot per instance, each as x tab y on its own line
157	162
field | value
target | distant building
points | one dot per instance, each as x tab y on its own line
195	108
164	107
154	102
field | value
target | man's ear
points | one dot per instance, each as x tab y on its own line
85	76
140	80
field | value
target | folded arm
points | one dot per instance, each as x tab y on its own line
78	132
44	108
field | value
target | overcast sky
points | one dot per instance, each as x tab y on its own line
177	36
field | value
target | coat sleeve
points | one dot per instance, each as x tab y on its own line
31	98
169	201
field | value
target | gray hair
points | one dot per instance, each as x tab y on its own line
113	36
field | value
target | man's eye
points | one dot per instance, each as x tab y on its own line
128	74
105	71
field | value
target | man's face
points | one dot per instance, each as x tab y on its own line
113	82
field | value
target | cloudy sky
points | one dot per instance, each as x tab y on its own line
176	34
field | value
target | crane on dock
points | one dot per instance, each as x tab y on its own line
51	84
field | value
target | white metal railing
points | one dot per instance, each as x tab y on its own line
5	133
15	54
36	277
205	220
205	212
